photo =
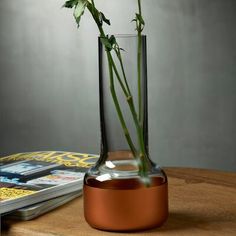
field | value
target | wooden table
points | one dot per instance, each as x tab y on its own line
202	202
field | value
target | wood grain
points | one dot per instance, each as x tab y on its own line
202	202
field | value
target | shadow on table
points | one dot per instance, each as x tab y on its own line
187	220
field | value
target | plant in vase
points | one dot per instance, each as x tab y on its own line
125	190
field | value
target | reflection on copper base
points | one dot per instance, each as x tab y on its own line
115	209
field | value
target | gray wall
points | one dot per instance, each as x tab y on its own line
49	78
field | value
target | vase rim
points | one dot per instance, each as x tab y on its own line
125	35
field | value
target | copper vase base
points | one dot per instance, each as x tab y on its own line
108	207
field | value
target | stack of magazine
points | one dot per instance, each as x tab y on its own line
35	182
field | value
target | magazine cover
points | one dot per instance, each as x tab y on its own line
38	209
29	178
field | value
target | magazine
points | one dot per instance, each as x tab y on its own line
38	209
33	177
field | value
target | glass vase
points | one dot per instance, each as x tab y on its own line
125	190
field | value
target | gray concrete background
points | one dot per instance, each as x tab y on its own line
49	78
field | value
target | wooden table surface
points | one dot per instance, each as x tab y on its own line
201	202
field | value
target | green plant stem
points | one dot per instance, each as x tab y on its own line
139	129
127	93
123	70
142	155
112	88
139	7
121	118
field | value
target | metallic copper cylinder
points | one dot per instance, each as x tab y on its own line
126	209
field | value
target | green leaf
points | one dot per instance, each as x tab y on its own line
79	10
140	18
100	18
105	19
70	3
106	43
112	40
